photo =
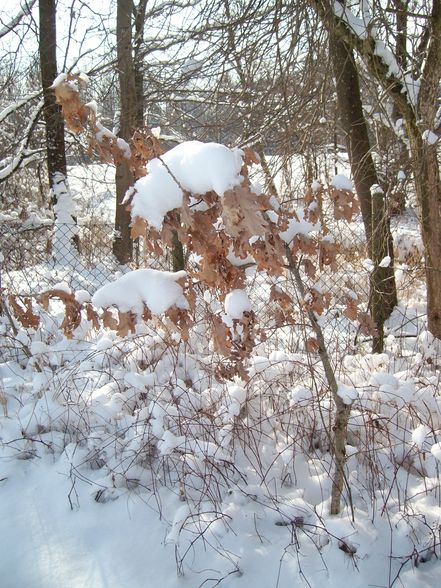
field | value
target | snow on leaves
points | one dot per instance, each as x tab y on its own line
345	203
67	94
202	194
27	310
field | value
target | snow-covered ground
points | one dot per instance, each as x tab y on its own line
128	461
112	475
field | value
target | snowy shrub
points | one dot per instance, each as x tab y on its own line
213	392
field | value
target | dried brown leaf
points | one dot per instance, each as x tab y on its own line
283	299
72	309
75	113
328	254
181	319
367	325
316	301
312	345
242	214
220	336
23	311
351	309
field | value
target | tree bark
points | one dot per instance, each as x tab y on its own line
383	288
138	62
428	189
122	244
56	153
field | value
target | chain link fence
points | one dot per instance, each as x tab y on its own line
29	264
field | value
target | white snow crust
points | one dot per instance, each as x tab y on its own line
430	137
236	303
158	290
191	166
342	182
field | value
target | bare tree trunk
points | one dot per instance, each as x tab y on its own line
398	196
56	153
342	411
138	62
122	244
428	188
379	274
383	288
66	243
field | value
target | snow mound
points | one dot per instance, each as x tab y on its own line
236	303
192	166
157	290
341	182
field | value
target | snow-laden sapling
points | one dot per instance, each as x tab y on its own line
202	194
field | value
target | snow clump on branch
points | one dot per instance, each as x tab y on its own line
158	290
193	167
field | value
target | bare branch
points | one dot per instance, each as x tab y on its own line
17	19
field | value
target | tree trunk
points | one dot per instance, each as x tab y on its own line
122	244
66	244
398	197
138	61
379	274
428	188
56	154
363	169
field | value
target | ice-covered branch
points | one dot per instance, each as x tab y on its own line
23	153
380	60
18	104
16	20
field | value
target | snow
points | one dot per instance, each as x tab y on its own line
385	262
60	79
82	296
347	393
124	147
357	25
420	434
236	303
368	265
157	290
436	451
376	189
388	58
430	137
17	104
298	227
63	286
191	166
412	88
127	460
341	182
103	132
65	252
362	28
